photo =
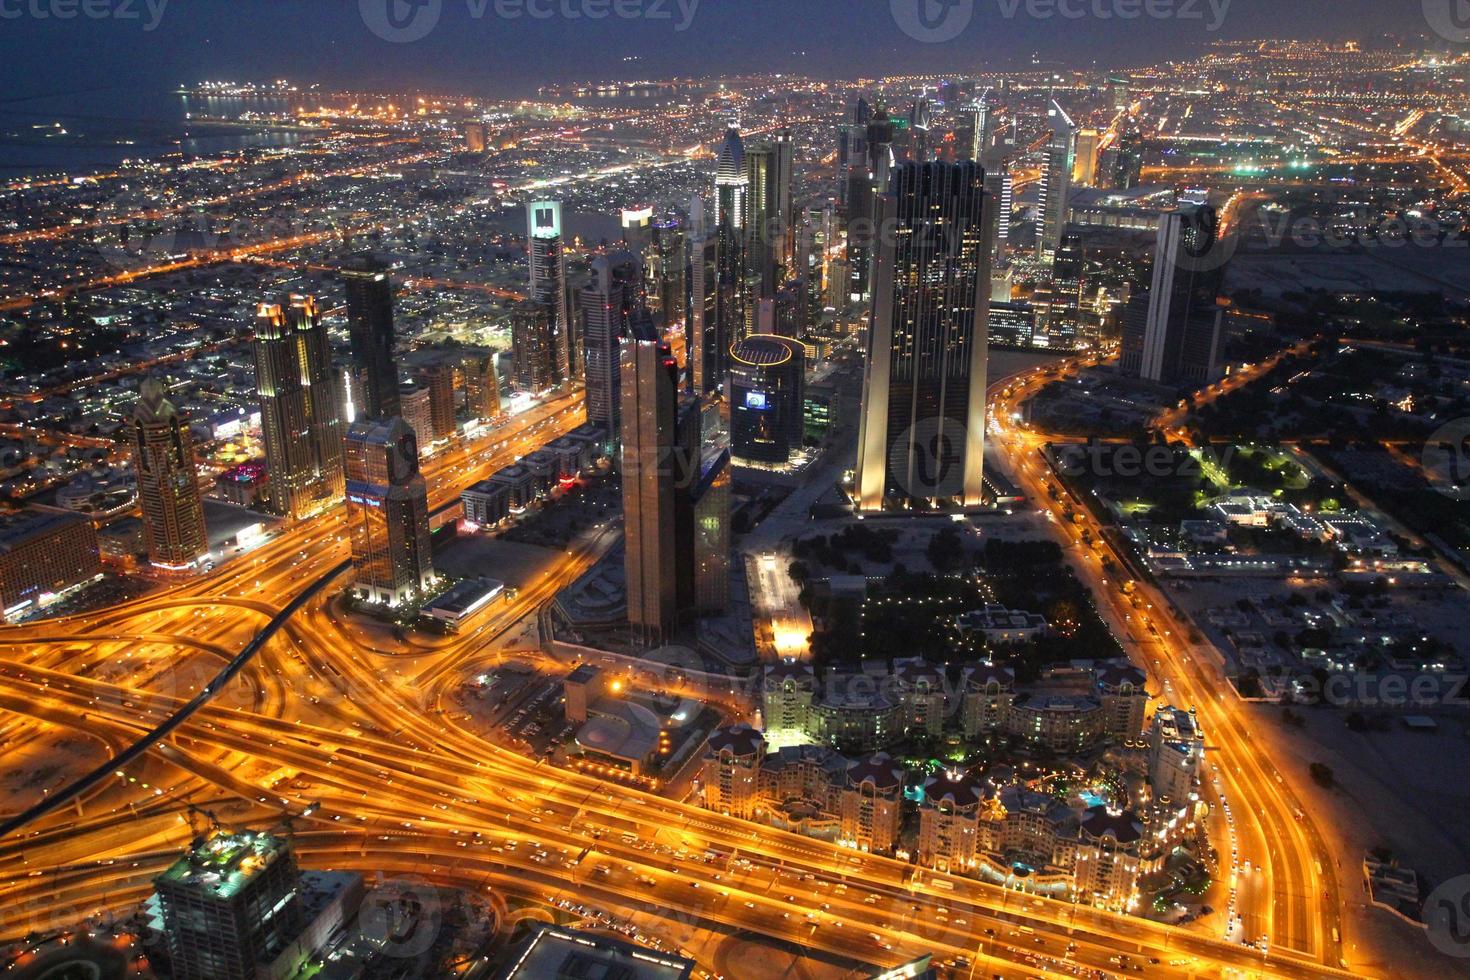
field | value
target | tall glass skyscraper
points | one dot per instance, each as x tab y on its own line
922	432
1056	182
370	331
299	415
548	260
609	304
388	513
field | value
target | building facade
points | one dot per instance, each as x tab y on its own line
168	483
922	432
388	513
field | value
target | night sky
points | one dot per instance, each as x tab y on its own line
328	41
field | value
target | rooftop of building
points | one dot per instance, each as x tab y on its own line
223	863
556	952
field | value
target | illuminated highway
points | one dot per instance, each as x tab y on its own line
358	721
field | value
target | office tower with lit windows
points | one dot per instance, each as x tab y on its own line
982	127
300	421
231	906
168	484
1084	166
1058	300
548	262
660	460
613	298
707	341
732	193
1183	336
44	555
922	428
768	180
767	400
532	331
1056	182
370	333
667	272
921	123
387	513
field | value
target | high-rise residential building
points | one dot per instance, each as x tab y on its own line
168	484
608	305
660	469
481	384
44	554
732	203
438	377
299	415
1176	755
370	332
922	432
921	122
667	273
388	513
418	411
1056	182
230	906
548	261
533	340
1084	167
767	400
1184	333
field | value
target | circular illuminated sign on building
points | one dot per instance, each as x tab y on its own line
767	394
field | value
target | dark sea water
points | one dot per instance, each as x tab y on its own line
104	127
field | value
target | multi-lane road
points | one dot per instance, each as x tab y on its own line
342	716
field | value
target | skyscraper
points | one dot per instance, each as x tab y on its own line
1183	336
532	326
481	384
388	513
612	297
299	416
731	210
922	431
438	377
768	179
1084	167
370	331
667	269
660	469
1056	182
1058	300
712	535
168	486
982	122
230	906
708	343
548	260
